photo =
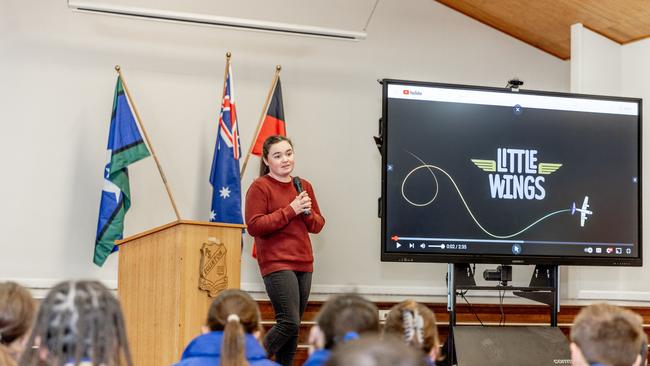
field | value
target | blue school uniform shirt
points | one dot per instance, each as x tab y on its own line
318	358
205	350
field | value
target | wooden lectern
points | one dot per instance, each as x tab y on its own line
158	284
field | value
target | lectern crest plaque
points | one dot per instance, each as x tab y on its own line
213	272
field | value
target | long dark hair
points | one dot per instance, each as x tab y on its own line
270	141
78	320
234	312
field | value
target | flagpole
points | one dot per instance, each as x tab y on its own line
144	132
225	73
223	95
259	124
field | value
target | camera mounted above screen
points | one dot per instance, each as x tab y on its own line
514	84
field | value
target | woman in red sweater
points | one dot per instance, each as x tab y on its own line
281	218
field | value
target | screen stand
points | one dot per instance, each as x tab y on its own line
544	287
458	275
544	276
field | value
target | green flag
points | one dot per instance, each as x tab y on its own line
125	146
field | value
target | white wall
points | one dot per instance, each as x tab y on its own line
57	92
601	66
595	63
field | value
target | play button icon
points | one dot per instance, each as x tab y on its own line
397	245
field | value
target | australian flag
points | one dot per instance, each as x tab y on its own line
224	176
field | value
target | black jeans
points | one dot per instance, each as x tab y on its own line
288	292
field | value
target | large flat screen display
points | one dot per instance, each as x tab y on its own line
488	175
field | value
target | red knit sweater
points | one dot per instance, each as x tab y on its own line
281	236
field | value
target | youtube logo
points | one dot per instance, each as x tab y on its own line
405	91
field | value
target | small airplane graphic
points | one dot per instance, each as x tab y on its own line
584	212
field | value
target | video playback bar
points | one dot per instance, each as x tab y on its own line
407	244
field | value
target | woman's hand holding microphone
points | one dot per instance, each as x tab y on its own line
301	204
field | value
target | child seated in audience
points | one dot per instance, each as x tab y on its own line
372	351
17	309
606	335
415	324
231	335
341	319
78	323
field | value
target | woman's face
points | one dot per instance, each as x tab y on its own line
280	160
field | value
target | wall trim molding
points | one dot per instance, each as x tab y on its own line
40	286
613	295
386	293
316	289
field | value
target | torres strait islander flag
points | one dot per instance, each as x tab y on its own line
273	122
125	146
224	176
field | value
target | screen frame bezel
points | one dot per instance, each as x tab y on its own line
497	259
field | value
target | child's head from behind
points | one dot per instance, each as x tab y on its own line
372	351
415	324
347	313
17	309
78	320
606	334
234	302
234	312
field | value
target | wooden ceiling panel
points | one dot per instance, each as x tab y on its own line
546	24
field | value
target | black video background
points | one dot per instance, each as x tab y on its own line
598	152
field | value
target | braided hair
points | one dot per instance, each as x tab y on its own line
78	321
415	324
413	327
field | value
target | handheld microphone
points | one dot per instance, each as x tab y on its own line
298	185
